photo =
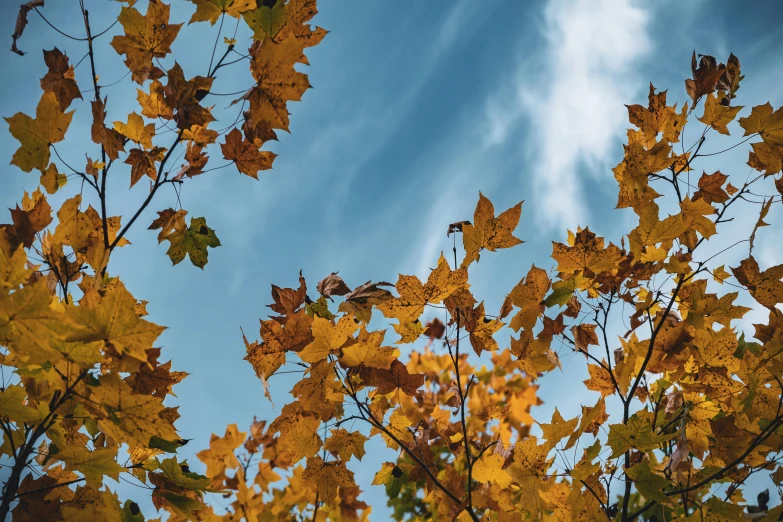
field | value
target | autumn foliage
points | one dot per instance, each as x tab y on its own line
685	403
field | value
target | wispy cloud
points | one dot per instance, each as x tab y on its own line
573	98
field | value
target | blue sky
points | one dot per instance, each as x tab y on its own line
416	106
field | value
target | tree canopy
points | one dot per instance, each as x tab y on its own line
682	406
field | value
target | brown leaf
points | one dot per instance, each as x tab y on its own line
360	301
711	188
584	336
434	329
288	300
332	285
396	377
169	221
60	79
21	22
112	141
706	73
456	227
145	37
143	163
245	154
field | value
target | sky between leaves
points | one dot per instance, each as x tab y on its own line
416	106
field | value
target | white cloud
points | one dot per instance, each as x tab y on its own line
574	98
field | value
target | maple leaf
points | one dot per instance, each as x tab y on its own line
489	468
142	163
558	429
528	296
346	444
320	392
33	217
720	274
211	10
711	188
154	105
327	338
196	159
656	118
284	19
192	242
585	252
51	180
60	78
367	351
717	115
327	476
130	417
92	464
184	96
589	422
533	354
266	358
584	336
136	130
200	135
636	434
36	135
481	330
649	483
600	380
153	378
277	82
414	296
633	172
112	318
489	232
298	431
83	231
396	377
360	301
693	216
766	287
706	74
766	158
112	141
653	231
220	455
12	404
332	285
146	37
245	155
765	122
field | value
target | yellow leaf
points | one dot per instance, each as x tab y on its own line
12	405
489	232
369	352
135	130
489	468
35	135
92	464
345	444
718	115
327	337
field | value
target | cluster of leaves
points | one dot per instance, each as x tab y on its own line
85	399
687	407
685	403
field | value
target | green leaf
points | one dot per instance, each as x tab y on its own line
11	406
193	241
649	484
172	470
636	434
166	445
563	290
